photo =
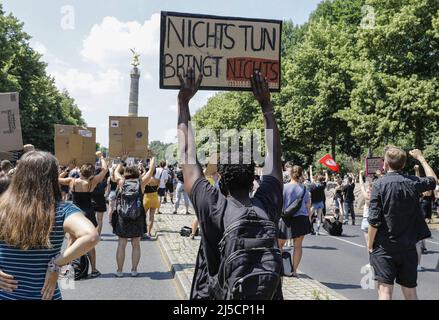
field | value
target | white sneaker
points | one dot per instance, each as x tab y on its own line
420	269
134	274
119	274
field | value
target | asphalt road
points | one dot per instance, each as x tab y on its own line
154	282
337	263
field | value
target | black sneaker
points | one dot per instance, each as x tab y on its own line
175	212
145	237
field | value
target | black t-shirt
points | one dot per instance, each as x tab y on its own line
394	209
317	191
338	195
210	204
348	192
179	175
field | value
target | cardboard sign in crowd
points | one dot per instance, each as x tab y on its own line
225	50
75	144
10	126
128	135
374	164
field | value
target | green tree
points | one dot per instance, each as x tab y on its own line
159	149
397	89
42	105
318	85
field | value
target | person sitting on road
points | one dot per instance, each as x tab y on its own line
33	221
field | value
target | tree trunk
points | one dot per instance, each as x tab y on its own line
419	139
333	144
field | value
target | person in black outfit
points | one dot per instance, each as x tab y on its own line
82	189
236	182
396	223
98	200
112	193
426	202
349	198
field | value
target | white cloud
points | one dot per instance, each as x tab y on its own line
173	108
148	76
170	136
76	81
111	40
39	47
100	84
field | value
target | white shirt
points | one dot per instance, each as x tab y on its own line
163	177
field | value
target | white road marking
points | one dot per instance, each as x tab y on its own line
432	241
350	242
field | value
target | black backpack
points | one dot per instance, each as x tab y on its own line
187	231
251	263
80	266
129	204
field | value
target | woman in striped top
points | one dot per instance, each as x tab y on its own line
33	221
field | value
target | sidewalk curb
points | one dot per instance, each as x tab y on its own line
179	277
184	283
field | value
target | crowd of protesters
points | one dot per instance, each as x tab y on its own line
245	220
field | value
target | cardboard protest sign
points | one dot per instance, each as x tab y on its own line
128	135
226	50
373	164
75	144
10	126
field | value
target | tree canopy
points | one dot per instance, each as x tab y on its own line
358	75
42	105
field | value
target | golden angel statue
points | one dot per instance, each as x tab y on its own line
136	58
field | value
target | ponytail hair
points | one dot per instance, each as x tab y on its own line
296	172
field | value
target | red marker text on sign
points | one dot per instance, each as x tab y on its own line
241	69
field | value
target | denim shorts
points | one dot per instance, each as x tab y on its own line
318	205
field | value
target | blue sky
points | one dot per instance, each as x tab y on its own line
89	55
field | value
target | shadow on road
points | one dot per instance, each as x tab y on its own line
341	286
156	275
349	236
182	266
319	248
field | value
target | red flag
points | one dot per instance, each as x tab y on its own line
328	161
